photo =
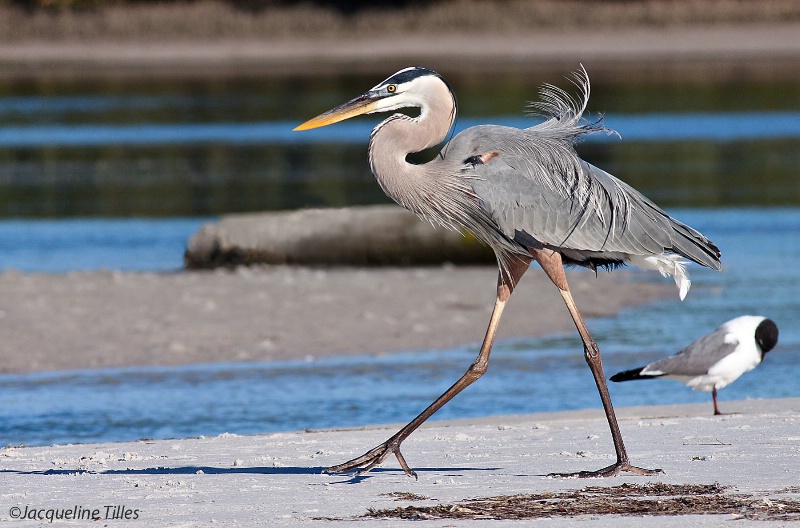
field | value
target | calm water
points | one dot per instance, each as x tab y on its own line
118	175
128	244
203	147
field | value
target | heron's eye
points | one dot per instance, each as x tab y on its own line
391	88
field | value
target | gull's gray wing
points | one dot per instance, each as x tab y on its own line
697	358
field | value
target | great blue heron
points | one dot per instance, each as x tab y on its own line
526	194
714	360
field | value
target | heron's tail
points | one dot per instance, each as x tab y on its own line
693	245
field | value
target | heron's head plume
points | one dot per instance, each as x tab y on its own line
410	87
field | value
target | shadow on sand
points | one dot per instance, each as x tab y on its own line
210	470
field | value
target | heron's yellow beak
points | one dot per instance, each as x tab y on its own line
362	104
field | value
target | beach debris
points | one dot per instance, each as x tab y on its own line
655	499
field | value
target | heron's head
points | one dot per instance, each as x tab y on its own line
411	87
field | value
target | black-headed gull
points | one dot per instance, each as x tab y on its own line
715	360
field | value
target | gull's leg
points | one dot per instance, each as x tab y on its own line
714	396
553	266
506	281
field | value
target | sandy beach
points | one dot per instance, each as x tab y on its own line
109	319
733	470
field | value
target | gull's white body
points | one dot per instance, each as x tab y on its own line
715	360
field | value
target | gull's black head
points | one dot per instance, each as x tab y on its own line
766	335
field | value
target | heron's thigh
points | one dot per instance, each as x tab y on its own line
553	266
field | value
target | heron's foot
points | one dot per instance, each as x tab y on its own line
611	471
372	458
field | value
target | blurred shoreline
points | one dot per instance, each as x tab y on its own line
725	52
213	38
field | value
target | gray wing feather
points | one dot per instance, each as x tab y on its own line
697	358
538	191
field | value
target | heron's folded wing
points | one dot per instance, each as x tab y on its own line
580	207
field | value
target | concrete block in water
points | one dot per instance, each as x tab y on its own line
354	236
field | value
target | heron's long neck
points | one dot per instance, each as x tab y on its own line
412	186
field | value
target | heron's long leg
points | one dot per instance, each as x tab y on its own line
552	264
506	282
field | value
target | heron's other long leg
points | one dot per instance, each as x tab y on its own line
506	282
552	264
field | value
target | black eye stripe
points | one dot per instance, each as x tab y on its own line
410	74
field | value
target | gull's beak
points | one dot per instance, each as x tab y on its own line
362	104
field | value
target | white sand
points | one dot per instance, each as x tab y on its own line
276	479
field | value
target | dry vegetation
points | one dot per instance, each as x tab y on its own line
50	20
627	499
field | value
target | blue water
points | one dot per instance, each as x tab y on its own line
57	246
760	253
36	120
718	126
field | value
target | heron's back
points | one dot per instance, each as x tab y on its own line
539	192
